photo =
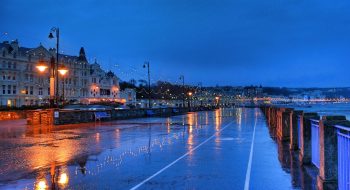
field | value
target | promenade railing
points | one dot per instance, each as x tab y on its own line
343	134
315	143
299	131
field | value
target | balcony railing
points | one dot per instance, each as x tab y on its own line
343	134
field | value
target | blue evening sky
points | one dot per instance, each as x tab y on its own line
293	43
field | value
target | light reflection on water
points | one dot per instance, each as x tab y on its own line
66	169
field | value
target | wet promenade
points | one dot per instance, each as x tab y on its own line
222	149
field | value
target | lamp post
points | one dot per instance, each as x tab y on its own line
57	31
146	64
54	70
63	71
42	66
190	99
182	77
217	98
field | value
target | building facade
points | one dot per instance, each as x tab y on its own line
22	84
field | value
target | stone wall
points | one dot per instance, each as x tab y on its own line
72	116
11	115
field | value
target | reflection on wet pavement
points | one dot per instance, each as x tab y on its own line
121	154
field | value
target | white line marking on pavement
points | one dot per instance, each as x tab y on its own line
174	162
249	169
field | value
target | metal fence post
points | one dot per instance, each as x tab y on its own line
305	137
294	130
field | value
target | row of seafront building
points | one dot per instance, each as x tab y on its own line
22	84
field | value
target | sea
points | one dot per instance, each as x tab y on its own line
324	109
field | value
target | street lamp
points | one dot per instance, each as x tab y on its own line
55	30
217	98
189	99
63	71
42	66
146	64
182	77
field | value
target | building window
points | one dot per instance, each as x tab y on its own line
48	91
31	90
8	89
26	77
26	89
14	89
14	76
3	89
31	78
15	65
40	91
3	76
3	53
9	76
9	65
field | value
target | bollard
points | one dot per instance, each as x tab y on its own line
305	140
328	171
293	139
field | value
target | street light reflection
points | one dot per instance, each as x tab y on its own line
63	179
41	185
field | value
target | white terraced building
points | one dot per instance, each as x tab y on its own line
22	84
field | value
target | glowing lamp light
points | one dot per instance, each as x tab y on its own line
190	93
41	185
62	70
217	98
41	66
63	179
